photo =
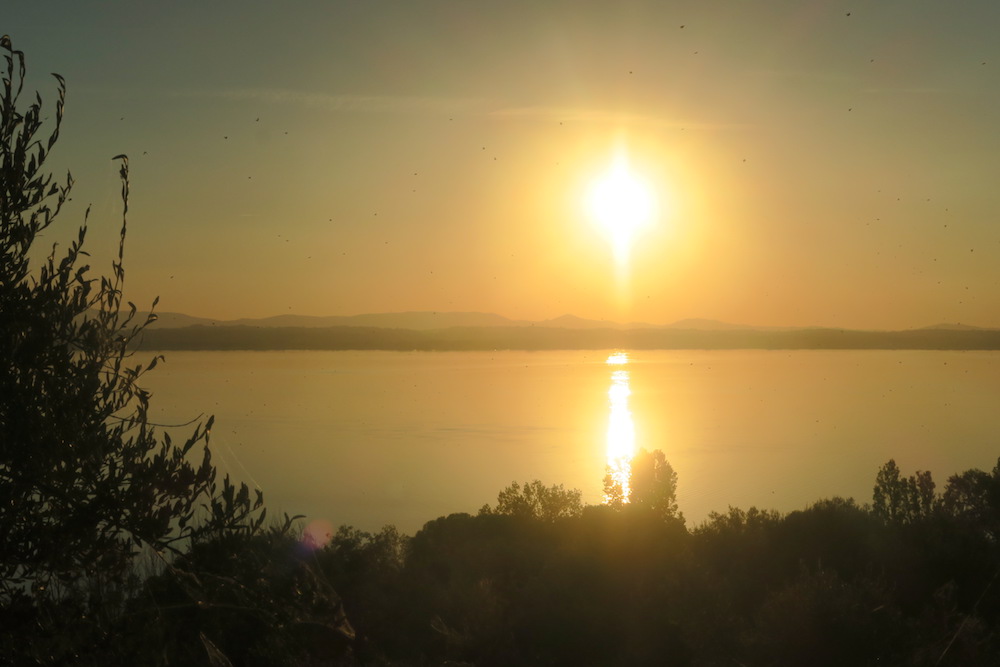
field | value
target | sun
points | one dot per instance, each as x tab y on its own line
621	203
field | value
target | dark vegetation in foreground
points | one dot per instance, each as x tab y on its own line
539	579
120	546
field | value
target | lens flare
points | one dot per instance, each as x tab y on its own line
316	535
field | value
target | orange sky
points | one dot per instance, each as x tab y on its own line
812	167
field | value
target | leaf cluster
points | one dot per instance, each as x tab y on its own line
535	500
652	486
86	480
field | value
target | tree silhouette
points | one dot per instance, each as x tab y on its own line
972	500
537	501
652	485
898	499
85	478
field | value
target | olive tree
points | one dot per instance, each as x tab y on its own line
86	479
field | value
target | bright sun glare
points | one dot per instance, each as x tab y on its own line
621	203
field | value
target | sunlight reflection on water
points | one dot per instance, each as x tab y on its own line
621	428
369	438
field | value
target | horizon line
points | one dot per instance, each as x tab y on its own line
570	316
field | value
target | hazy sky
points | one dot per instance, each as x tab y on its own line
815	162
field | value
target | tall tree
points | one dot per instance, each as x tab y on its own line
652	485
899	499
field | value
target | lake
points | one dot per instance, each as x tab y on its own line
370	438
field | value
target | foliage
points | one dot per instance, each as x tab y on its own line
537	501
256	599
366	569
834	583
903	499
818	618
652	486
974	497
86	480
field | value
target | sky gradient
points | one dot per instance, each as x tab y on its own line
816	163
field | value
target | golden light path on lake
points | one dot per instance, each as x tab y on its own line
621	428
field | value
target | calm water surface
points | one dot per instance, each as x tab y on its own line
369	438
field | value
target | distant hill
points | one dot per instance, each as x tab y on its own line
239	337
174	320
463	329
954	327
700	324
409	320
427	320
416	320
574	322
